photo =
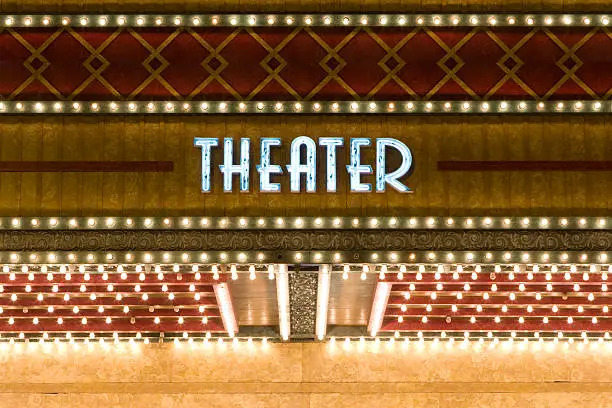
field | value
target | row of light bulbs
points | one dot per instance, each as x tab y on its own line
102	308
320	107
521	343
306	20
418	270
498	319
105	338
100	270
311	257
95	223
485	335
504	308
107	320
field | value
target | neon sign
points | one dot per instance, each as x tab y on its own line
303	164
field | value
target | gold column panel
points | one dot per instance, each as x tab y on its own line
431	139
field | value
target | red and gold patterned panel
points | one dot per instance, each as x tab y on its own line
88	301
488	299
305	63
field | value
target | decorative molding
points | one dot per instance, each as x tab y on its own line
306	240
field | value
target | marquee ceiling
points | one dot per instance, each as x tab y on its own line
180	288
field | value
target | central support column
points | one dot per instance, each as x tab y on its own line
303	297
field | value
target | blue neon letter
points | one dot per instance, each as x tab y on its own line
265	168
228	168
356	169
310	168
331	143
206	144
391	178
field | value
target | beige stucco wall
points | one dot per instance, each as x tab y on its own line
305	375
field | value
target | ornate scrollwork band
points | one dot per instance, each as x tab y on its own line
307	240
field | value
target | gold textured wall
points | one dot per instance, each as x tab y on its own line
431	139
305	376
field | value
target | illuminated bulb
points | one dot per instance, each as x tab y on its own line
512	296
504	308
100	309
454	308
108	320
497	319
494	287
555	308
591	297
570	320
